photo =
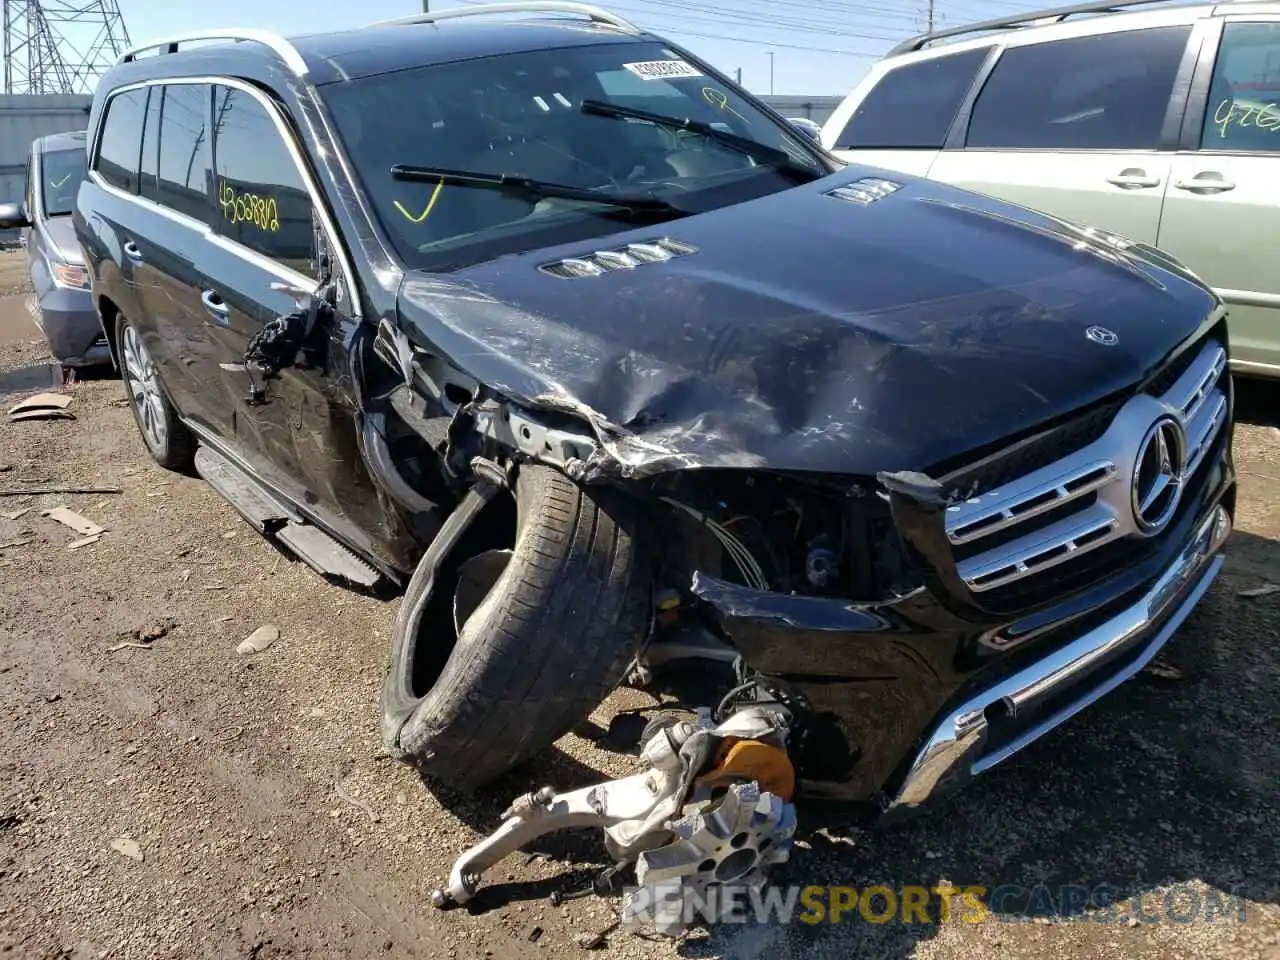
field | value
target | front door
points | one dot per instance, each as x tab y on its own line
1077	128
1222	206
176	174
297	428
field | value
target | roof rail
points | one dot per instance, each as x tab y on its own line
593	13
1031	18
285	50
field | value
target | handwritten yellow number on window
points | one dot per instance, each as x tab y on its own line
426	212
237	208
1232	112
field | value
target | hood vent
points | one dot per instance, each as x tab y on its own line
865	190
618	258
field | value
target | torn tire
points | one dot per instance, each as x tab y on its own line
544	630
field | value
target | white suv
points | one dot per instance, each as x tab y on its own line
1161	125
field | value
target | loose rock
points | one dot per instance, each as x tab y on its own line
259	640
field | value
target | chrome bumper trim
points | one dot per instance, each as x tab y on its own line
955	750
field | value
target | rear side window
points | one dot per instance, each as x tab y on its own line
185	157
913	105
120	145
260	198
1243	113
1105	92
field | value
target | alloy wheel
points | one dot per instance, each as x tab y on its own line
144	389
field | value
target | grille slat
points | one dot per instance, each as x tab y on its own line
1083	499
1035	498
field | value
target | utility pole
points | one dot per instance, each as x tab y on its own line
739	74
426	6
930	12
770	73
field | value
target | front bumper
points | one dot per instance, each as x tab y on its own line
1040	697
901	700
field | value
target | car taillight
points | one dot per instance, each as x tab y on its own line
68	275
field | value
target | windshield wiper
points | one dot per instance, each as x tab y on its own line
762	152
647	203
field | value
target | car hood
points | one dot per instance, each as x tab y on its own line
60	239
805	331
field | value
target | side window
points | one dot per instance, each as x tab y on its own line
1243	112
1105	92
150	148
185	165
120	145
261	199
913	105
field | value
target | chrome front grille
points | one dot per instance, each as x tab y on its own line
1085	499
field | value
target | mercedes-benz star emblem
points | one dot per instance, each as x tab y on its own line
1158	474
1103	336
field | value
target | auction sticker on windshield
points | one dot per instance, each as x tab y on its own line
662	69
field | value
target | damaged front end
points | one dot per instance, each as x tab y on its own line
897	614
927	506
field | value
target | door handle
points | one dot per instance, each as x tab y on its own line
131	250
214	303
1133	179
1209	181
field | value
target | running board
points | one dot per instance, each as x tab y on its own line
325	555
266	513
241	491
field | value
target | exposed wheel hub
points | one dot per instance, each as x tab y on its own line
699	818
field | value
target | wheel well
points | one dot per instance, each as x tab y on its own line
107	313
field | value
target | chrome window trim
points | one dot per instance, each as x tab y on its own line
35	171
1104	469
207	229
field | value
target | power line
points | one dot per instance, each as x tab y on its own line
736	17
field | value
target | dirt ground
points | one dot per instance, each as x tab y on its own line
176	799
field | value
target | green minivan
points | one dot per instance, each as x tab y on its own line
1161	125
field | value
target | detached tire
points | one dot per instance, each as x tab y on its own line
541	649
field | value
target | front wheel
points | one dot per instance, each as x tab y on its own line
499	652
168	440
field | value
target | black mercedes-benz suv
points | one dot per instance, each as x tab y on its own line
542	320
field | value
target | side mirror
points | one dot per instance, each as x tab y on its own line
12	217
807	127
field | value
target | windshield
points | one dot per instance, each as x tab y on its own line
61	172
523	115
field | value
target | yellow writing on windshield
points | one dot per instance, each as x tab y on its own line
1246	113
237	207
426	210
720	100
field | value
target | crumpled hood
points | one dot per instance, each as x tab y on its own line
808	332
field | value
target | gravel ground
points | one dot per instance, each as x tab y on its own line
179	800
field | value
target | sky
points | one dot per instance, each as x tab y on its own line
818	47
